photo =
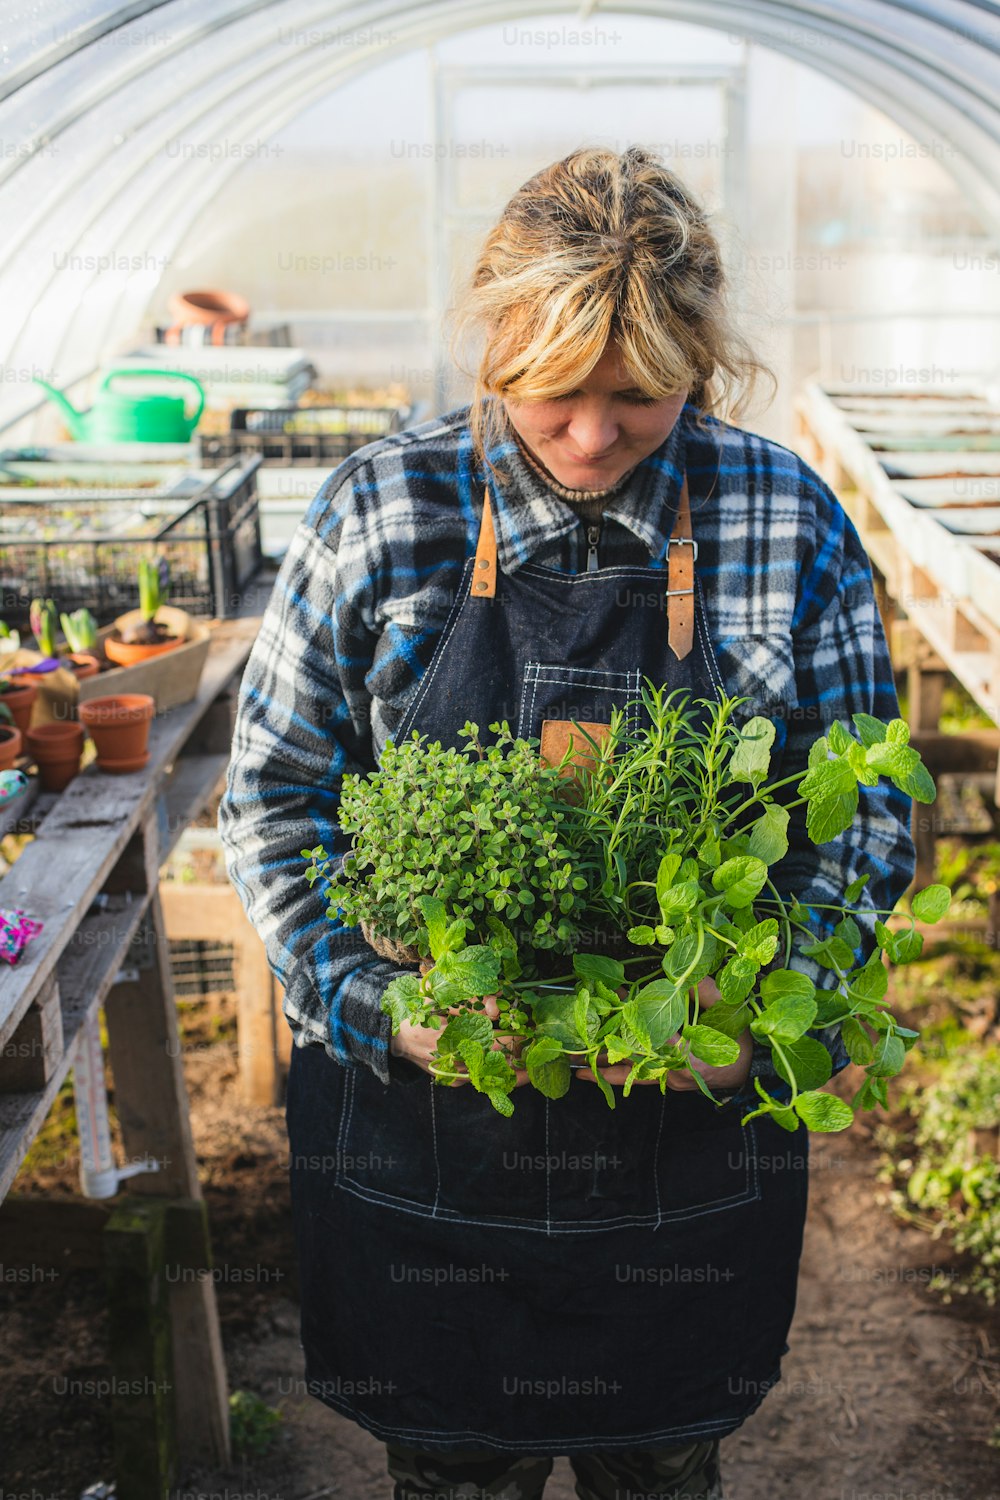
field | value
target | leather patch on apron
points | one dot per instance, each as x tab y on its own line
558	736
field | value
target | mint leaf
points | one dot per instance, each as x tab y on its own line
832	793
436	921
740	879
808	1059
823	1112
769	835
860	1048
475	970
737	979
782	982
471	1027
401	999
591	967
930	904
786	1019
871	730
890	1054
752	756
711	1046
656	1012
548	1067
759	943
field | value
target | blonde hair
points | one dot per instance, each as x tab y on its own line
597	246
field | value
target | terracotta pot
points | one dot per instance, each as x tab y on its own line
125	654
57	749
119	727
10	746
82	664
20	699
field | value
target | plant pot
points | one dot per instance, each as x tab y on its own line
20	699
57	749
83	664
119	727
385	947
10	746
128	653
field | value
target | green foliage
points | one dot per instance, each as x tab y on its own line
951	1181
252	1424
151	588
480	829
80	629
664	844
43	618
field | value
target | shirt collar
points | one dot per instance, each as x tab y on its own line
527	515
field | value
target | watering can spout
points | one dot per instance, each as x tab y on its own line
74	419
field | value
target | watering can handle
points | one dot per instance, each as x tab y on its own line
170	374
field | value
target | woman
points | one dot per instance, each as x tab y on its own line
483	1293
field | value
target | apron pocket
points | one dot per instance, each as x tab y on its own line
552	690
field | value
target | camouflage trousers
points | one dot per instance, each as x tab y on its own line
684	1473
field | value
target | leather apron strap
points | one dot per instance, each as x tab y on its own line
680	572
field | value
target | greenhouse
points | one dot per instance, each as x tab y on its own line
499	734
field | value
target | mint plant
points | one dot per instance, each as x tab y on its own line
670	835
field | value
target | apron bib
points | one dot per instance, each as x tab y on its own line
573	1278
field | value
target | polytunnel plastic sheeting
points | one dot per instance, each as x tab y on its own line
116	123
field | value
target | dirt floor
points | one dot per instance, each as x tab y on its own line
887	1394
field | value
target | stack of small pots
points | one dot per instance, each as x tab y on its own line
119	727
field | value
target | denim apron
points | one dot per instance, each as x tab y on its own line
572	1278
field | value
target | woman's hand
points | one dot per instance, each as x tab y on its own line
732	1076
417	1043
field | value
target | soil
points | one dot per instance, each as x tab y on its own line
887	1394
147	633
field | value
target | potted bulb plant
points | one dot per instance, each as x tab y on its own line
139	635
80	630
10	738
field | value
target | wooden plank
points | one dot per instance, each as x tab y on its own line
191	784
152	1105
89	827
32	1055
215	913
87	970
199	1370
143	1412
150	1091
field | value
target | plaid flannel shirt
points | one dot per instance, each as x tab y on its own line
357	609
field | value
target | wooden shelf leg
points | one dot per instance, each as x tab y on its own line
144	1387
152	1104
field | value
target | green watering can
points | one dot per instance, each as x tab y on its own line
116	418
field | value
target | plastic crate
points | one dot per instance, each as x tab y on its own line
206	530
301	434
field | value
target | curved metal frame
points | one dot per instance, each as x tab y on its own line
931	67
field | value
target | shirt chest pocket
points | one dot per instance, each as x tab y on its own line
761	669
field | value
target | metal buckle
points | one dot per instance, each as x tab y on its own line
672	593
689	541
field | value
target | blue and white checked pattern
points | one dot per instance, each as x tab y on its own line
363	593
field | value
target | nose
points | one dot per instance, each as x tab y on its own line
592	431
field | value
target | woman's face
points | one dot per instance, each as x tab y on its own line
589	438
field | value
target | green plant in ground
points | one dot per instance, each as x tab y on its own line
671	834
252	1424
80	629
485	837
44	618
951	1183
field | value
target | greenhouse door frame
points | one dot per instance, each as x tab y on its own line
446	214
